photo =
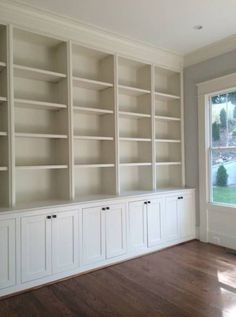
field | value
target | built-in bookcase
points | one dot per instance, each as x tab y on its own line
4	133
40	118
78	123
168	138
135	125
93	122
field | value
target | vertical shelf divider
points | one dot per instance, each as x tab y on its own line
116	114
182	128
11	118
70	121
154	176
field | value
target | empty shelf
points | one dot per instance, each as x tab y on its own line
38	74
3	99
137	115
167	118
136	164
41	135
135	139
89	110
87	137
2	65
3	133
3	168
93	165
25	103
132	91
91	84
168	140
167	163
40	167
164	96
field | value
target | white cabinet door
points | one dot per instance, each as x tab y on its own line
35	247
115	231
171	219
187	216
154	221
137	226
7	253
65	241
93	235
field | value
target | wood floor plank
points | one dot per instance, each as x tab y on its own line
189	280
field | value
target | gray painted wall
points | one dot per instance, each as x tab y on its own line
212	68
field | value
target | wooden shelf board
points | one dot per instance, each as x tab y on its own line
136	164
3	99
132	91
3	168
93	165
164	96
168	140
127	114
135	139
87	137
41	135
37	74
89	110
167	118
2	133
2	65
167	163
91	84
40	167
25	103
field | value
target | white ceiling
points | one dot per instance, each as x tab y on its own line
164	23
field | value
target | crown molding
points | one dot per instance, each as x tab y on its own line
215	49
51	24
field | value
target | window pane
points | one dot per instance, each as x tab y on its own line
223	120
223	173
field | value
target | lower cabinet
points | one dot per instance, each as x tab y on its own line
145	219
103	233
171	218
187	217
7	253
49	244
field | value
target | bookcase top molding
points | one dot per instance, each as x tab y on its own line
50	24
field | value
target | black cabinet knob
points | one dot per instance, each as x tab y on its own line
49	217
103	208
54	216
180	197
145	202
149	202
108	208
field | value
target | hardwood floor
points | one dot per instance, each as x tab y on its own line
193	279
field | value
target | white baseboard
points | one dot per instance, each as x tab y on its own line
222	239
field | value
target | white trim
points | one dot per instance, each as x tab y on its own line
51	24
215	49
225	83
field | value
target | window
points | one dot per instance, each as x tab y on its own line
222	149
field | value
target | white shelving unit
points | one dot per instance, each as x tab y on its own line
168	132
76	122
41	123
4	115
93	122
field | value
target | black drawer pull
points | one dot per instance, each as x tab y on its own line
180	197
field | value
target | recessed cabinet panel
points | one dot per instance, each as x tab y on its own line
35	247
137	226
93	235
187	216
65	241
7	253
115	231
155	213
171	219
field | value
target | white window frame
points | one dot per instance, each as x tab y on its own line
207	89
